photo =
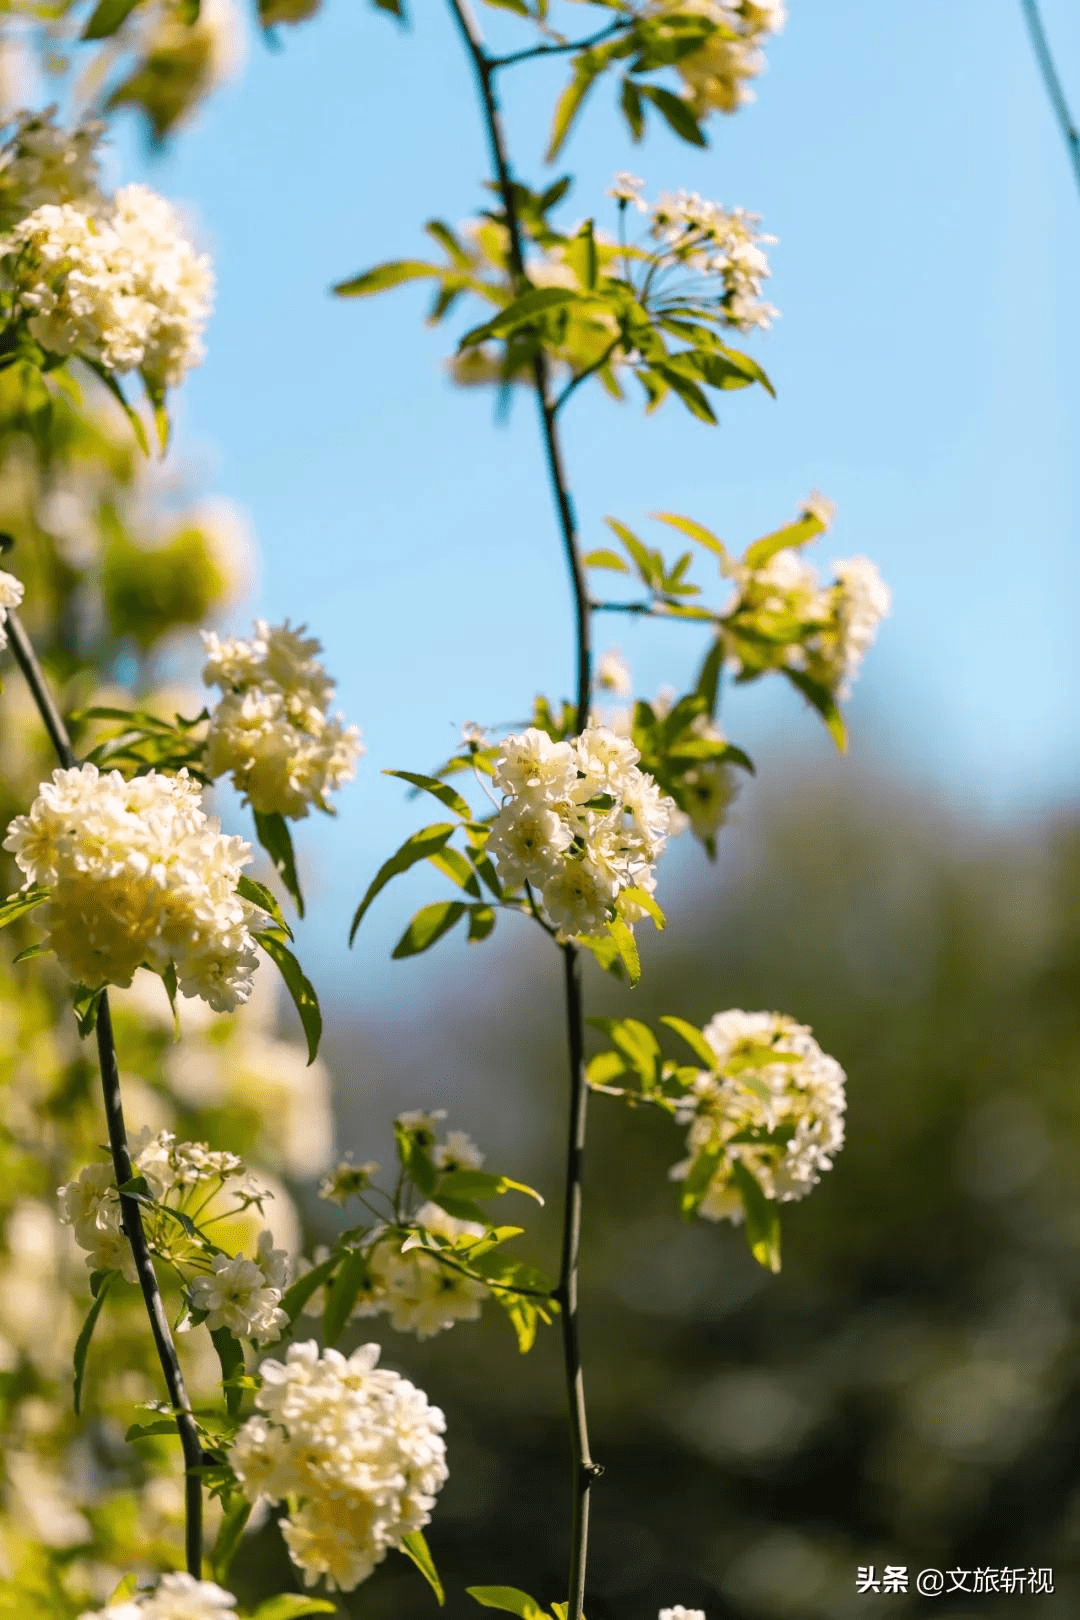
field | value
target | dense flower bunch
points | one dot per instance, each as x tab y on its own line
773	1102
11	594
824	631
226	1290
724	244
358	1446
41	163
271	731
579	821
176	1597
138	875
715	76
120	286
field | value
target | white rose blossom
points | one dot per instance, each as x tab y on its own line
580	821
122	287
271	730
355	1448
137	874
176	1597
780	1082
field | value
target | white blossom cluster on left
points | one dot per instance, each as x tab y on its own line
119	286
136	875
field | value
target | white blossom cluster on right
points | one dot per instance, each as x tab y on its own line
121	286
716	75
770	1078
138	874
718	243
356	1446
580	822
838	622
271	730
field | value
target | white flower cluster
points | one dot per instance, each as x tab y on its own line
580	821
245	1295
358	1445
41	163
11	594
720	242
138	874
715	77
122	287
770	1078
91	1205
679	1613
836	623
271	730
176	1597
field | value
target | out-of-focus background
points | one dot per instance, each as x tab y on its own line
907	1391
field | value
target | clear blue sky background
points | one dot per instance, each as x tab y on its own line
926	364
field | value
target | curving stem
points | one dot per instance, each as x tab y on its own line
130	1213
584	1470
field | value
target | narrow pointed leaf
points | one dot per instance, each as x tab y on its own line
384	276
428	926
415	1547
299	987
420	846
272	831
86	1333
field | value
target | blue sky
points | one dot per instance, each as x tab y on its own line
925	362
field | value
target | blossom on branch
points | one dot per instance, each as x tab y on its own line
715	76
579	821
356	1446
271	731
121	287
137	875
773	1104
176	1597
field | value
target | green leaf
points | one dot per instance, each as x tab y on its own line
699	1179
481	923
687	390
708	681
107	17
260	896
480	1184
143	1431
570	104
791	536
415	1547
743	364
581	256
384	276
820	698
522	312
635	1041
639	897
30	951
605	559
85	1004
123	1590
134	419
454	865
299	987
230	1353
695	531
438	790
272	831
427	927
675	113
231	1529
508	1598
86	1333
762	1218
17	905
292	1604
626	947
296	1297
649	564
694	1039
632	110
354	1274
419	846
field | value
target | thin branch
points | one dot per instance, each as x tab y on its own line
1054	90
582	376
131	1215
583	1469
647	608
566	47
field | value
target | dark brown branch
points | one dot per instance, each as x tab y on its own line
131	1215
